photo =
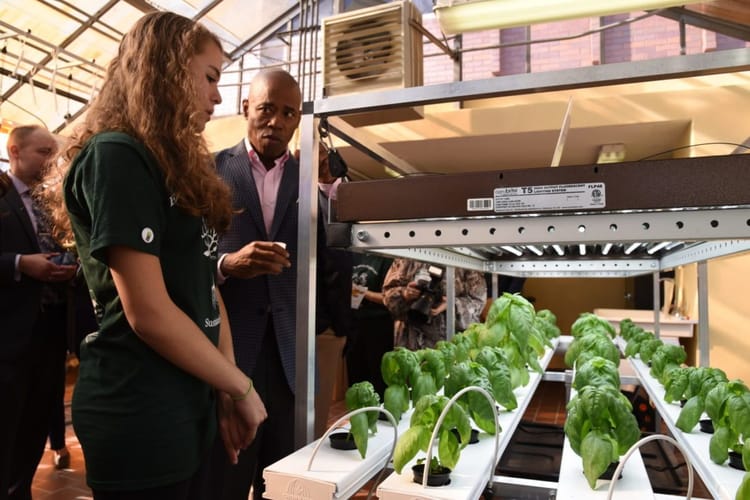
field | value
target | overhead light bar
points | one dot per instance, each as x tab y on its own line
559	250
658	247
606	248
460	16
535	250
632	247
582	249
512	250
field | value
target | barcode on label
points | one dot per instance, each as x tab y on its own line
475	204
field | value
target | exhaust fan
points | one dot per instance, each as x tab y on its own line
370	49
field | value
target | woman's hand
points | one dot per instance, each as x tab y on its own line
239	421
251	412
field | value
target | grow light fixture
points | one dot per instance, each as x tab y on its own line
460	16
535	250
631	248
512	250
606	248
582	249
658	247
559	250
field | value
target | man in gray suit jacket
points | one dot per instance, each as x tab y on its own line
259	281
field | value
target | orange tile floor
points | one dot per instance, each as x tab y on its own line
547	406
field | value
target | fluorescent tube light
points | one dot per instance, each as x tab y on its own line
512	250
460	16
657	247
535	250
559	250
582	249
606	248
632	247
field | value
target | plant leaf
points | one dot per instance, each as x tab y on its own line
690	414
596	453
359	429
718	446
396	400
743	492
448	449
407	446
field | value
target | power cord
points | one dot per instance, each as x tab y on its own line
694	146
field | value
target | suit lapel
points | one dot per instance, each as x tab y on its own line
287	195
246	189
19	209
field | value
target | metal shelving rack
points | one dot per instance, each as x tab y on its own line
686	236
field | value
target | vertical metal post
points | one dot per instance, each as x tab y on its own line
657	329
450	311
458	74
703	341
683	37
495	286
657	303
307	233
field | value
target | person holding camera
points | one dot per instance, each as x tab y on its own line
414	293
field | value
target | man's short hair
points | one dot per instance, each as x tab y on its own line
19	134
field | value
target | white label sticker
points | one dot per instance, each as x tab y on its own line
479	204
550	197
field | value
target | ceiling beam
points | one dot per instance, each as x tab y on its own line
710	23
358	137
68	40
142	5
268	31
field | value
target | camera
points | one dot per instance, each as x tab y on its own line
428	281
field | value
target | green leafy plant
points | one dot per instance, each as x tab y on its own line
595	372
429	375
589	322
423	422
499	376
469	373
435	466
594	343
628	328
362	395
666	358
695	385
635	339
600	427
728	406
546	322
512	327
397	368
743	492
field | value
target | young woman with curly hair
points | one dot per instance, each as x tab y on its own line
145	205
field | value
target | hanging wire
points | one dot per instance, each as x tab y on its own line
33	73
20	55
67	112
3	53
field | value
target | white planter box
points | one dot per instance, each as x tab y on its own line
472	472
722	481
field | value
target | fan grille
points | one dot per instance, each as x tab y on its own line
372	49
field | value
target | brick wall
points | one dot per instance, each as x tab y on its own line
649	38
